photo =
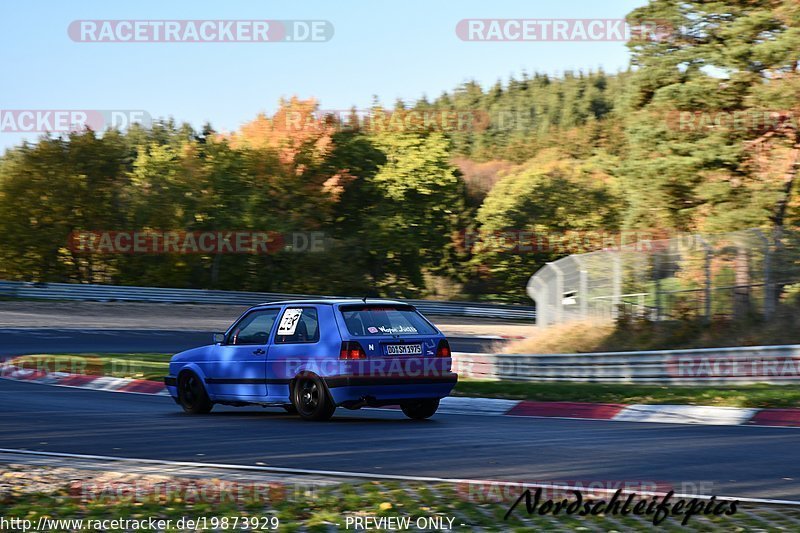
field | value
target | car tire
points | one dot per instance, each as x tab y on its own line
192	394
420	409
311	399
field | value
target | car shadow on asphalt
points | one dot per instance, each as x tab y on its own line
338	418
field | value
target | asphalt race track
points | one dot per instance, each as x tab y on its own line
727	460
21	341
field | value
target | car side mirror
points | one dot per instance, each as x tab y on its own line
218	338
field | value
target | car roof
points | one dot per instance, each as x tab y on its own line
335	301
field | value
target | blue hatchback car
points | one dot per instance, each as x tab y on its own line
311	356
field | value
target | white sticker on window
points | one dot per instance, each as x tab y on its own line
397	329
291	317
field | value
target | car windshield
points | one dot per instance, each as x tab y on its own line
374	320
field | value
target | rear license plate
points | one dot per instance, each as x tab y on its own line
404	349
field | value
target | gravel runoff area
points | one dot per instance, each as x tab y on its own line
189	317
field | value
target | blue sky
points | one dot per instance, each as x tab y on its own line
386	49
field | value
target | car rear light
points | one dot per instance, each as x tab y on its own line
444	349
352	350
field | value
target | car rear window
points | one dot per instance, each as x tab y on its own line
375	320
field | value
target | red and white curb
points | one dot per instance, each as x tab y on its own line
82	381
664	414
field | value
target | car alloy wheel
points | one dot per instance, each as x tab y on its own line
311	399
192	394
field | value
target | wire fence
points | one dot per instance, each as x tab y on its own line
733	275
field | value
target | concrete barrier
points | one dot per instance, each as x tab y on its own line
88	292
740	365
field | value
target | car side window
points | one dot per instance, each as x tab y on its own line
253	328
298	325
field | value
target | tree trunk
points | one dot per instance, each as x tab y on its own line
741	291
779	216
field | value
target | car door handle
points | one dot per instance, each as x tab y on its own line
259	352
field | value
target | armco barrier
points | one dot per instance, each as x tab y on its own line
86	292
741	365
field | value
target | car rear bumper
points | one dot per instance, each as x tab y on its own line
335	382
382	390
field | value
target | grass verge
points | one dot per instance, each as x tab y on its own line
632	334
759	395
151	366
37	494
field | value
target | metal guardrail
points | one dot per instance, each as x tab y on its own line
741	365
86	292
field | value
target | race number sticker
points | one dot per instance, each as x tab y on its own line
289	321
